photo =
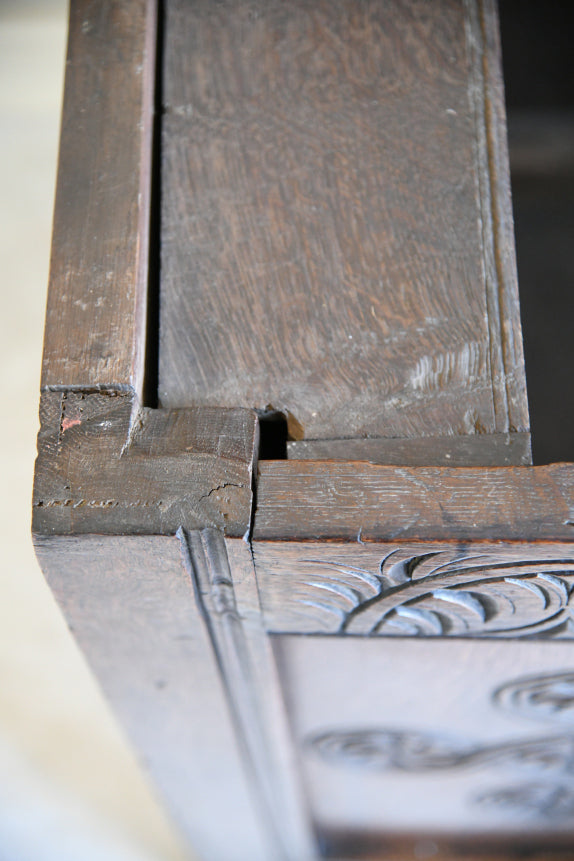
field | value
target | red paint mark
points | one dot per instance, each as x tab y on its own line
69	423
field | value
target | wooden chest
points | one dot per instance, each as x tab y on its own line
284	492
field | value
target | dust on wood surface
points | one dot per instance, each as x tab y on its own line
336	225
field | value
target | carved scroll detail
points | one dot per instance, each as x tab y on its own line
540	697
434	594
544	697
391	750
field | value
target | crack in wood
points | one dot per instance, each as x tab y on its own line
107	465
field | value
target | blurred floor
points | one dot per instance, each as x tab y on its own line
70	789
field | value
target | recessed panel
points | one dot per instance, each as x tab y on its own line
443	738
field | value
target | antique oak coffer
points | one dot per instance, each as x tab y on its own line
283	492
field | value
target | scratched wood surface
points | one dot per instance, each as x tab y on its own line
336	226
96	313
106	465
326	500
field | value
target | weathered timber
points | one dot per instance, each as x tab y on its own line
327	500
106	465
325	660
336	223
97	297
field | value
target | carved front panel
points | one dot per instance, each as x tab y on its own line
405	737
429	686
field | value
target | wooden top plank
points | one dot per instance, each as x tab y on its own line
365	502
336	226
95	325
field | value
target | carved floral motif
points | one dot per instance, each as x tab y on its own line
434	594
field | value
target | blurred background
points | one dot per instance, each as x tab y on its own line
70	789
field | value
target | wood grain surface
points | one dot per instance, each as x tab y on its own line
132	607
336	227
107	466
359	501
96	315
